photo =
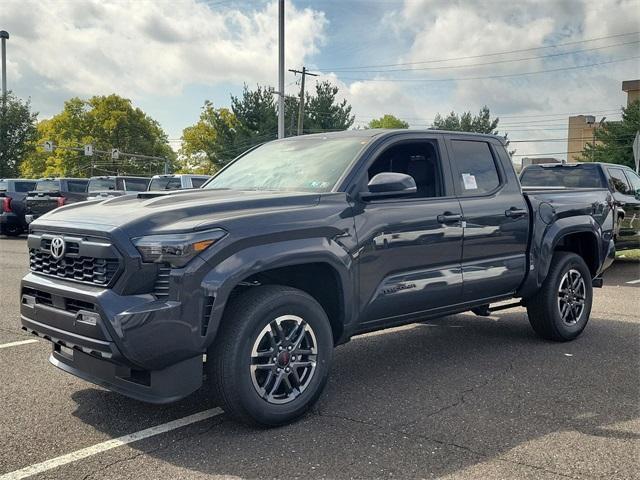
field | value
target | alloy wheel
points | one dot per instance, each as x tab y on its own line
571	297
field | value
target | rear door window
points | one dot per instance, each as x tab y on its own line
619	182
475	167
634	180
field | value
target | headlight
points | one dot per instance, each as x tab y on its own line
176	248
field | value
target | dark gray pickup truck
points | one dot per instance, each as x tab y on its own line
299	244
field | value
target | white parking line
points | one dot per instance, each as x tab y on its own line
108	445
634	281
15	344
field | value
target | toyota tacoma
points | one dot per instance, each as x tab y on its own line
247	284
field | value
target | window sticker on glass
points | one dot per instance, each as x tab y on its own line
469	181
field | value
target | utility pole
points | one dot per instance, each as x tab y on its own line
4	36
281	69
304	73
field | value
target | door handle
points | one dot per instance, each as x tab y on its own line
448	217
514	212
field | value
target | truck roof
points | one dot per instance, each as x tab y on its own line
380	132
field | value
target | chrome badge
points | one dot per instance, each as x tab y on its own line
57	248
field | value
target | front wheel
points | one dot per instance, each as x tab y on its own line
11	230
271	358
561	308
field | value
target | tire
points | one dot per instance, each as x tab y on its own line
11	230
250	354
562	315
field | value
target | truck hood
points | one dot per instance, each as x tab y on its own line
174	211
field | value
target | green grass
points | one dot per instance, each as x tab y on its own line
628	255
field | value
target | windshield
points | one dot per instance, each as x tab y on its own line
578	176
165	183
100	184
312	164
47	185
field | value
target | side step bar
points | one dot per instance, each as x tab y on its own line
487	310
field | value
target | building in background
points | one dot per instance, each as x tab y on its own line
632	89
582	128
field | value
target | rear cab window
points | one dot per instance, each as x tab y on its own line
568	176
101	184
165	183
24	186
197	182
474	167
77	186
136	184
47	185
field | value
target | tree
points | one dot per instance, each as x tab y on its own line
211	142
614	140
387	121
106	122
256	114
17	133
481	123
324	113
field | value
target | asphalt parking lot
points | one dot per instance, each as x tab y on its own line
461	397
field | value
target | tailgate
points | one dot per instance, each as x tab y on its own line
39	203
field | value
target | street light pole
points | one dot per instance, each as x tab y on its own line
4	36
281	69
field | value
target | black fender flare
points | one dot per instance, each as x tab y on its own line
226	275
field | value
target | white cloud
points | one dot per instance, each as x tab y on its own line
151	47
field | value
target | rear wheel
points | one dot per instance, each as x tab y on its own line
561	308
11	230
271	359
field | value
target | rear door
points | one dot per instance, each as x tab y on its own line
495	214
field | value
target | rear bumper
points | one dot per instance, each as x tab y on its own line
119	342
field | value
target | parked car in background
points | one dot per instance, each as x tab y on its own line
177	182
115	186
13	192
622	182
52	193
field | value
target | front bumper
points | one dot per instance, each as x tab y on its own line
132	344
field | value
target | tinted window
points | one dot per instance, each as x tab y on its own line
3	184
48	185
165	183
136	184
619	181
24	186
416	159
198	182
579	176
634	180
77	186
476	169
100	184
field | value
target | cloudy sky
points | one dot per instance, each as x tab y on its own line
532	62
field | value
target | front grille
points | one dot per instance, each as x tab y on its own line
161	286
98	271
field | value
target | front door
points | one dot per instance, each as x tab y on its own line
496	218
410	248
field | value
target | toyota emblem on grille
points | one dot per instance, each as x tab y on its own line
57	248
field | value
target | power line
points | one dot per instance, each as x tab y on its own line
509	75
449	67
486	54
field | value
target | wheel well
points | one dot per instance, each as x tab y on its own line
584	244
319	280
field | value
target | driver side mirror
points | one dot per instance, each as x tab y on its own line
390	185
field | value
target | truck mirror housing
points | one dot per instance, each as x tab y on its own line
390	184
